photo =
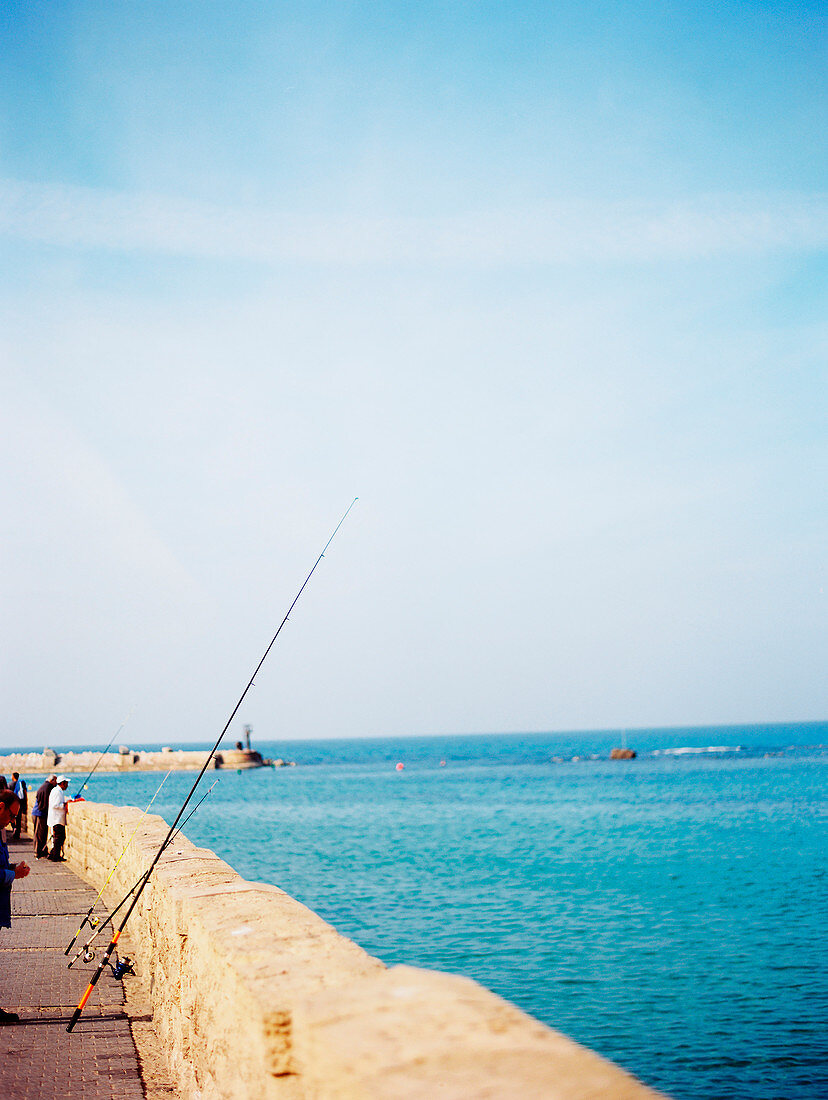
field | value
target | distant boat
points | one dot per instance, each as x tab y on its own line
623	753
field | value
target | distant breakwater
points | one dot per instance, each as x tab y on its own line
128	760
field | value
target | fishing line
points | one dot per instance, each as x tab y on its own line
103	753
86	919
101	924
114	941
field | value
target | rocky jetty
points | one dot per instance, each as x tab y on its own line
132	760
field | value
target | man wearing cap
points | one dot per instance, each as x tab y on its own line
40	815
57	818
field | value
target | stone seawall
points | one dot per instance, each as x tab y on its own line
129	760
255	997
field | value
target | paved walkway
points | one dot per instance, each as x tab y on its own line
39	1059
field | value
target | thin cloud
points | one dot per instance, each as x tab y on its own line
562	233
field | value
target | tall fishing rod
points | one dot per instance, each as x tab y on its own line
114	941
102	754
99	925
86	919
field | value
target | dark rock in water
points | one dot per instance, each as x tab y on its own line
622	754
239	758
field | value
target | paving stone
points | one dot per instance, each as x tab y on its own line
39	1059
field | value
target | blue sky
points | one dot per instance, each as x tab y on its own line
543	284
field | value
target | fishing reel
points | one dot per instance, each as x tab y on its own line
94	922
88	954
123	966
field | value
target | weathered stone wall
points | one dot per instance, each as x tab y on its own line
256	998
129	760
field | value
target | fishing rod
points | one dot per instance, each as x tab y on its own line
114	941
103	753
87	918
86	951
98	924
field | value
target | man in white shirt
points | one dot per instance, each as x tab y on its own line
57	818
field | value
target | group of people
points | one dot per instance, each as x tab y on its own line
10	808
48	812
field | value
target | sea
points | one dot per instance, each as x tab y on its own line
670	912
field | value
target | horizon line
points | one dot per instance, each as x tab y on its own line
678	727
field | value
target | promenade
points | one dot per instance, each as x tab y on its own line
39	1059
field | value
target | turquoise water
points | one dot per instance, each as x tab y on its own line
668	912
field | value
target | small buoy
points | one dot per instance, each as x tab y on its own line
400	767
442	763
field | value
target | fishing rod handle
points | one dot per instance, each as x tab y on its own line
94	981
80	929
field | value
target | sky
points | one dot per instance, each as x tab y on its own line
542	284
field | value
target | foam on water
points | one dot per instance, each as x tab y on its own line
694	750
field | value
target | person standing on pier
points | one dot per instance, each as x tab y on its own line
9	808
22	792
40	817
57	818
